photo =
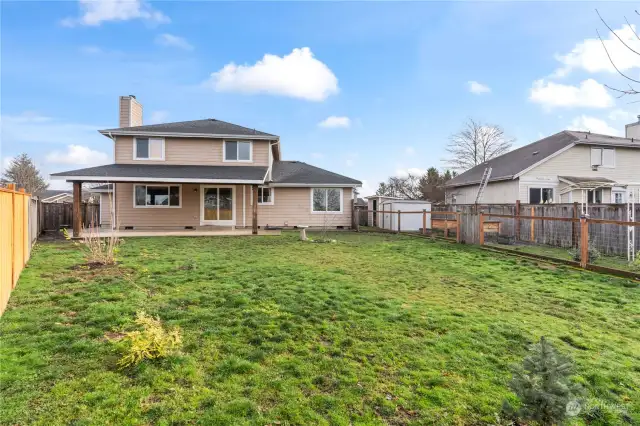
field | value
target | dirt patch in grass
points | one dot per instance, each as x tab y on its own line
113	336
90	266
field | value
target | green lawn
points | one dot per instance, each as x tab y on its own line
372	329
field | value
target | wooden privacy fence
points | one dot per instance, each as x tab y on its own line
54	216
15	241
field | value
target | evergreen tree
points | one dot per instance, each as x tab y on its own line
543	385
24	174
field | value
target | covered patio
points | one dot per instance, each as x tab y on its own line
177	200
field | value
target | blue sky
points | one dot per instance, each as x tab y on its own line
390	81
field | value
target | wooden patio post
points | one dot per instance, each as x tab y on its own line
424	221
254	219
517	220
458	227
481	236
398	221
77	213
574	226
584	242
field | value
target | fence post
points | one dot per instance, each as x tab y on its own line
25	226
584	242
532	237
574	226
446	226
458	227
424	221
481	236
399	221
517	219
12	187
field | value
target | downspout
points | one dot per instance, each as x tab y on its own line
113	190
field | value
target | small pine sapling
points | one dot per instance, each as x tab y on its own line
543	385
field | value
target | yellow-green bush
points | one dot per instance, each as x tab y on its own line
154	341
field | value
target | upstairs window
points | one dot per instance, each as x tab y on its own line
237	151
148	149
265	195
603	157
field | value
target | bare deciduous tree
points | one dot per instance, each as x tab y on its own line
24	174
632	83
475	144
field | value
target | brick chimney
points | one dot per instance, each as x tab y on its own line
129	112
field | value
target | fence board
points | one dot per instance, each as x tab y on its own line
15	241
56	216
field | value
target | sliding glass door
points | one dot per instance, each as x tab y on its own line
217	205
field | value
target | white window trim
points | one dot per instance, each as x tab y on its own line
602	148
158	207
621	192
150	138
270	203
224	151
326	212
541	187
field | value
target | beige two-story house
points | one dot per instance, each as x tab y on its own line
209	173
567	167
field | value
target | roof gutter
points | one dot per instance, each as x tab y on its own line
72	178
108	133
475	182
318	185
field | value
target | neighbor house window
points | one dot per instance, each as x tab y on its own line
326	200
618	197
237	151
148	149
265	195
594	196
603	157
157	196
540	195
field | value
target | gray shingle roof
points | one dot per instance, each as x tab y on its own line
513	162
162	171
299	173
577	180
209	126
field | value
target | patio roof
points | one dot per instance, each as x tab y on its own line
577	182
166	173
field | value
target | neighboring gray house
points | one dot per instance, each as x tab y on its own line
562	168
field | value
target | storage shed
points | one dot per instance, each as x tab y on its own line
374	203
408	221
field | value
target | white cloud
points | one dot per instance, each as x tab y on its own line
171	40
589	93
413	171
478	88
95	12
32	127
333	122
621	115
59	185
409	150
78	155
594	125
297	75
91	50
158	117
317	155
591	56
366	190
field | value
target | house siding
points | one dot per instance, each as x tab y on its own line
495	193
292	207
190	151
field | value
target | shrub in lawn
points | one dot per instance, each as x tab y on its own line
154	341
543	385
98	250
594	253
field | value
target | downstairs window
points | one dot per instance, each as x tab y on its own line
162	196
